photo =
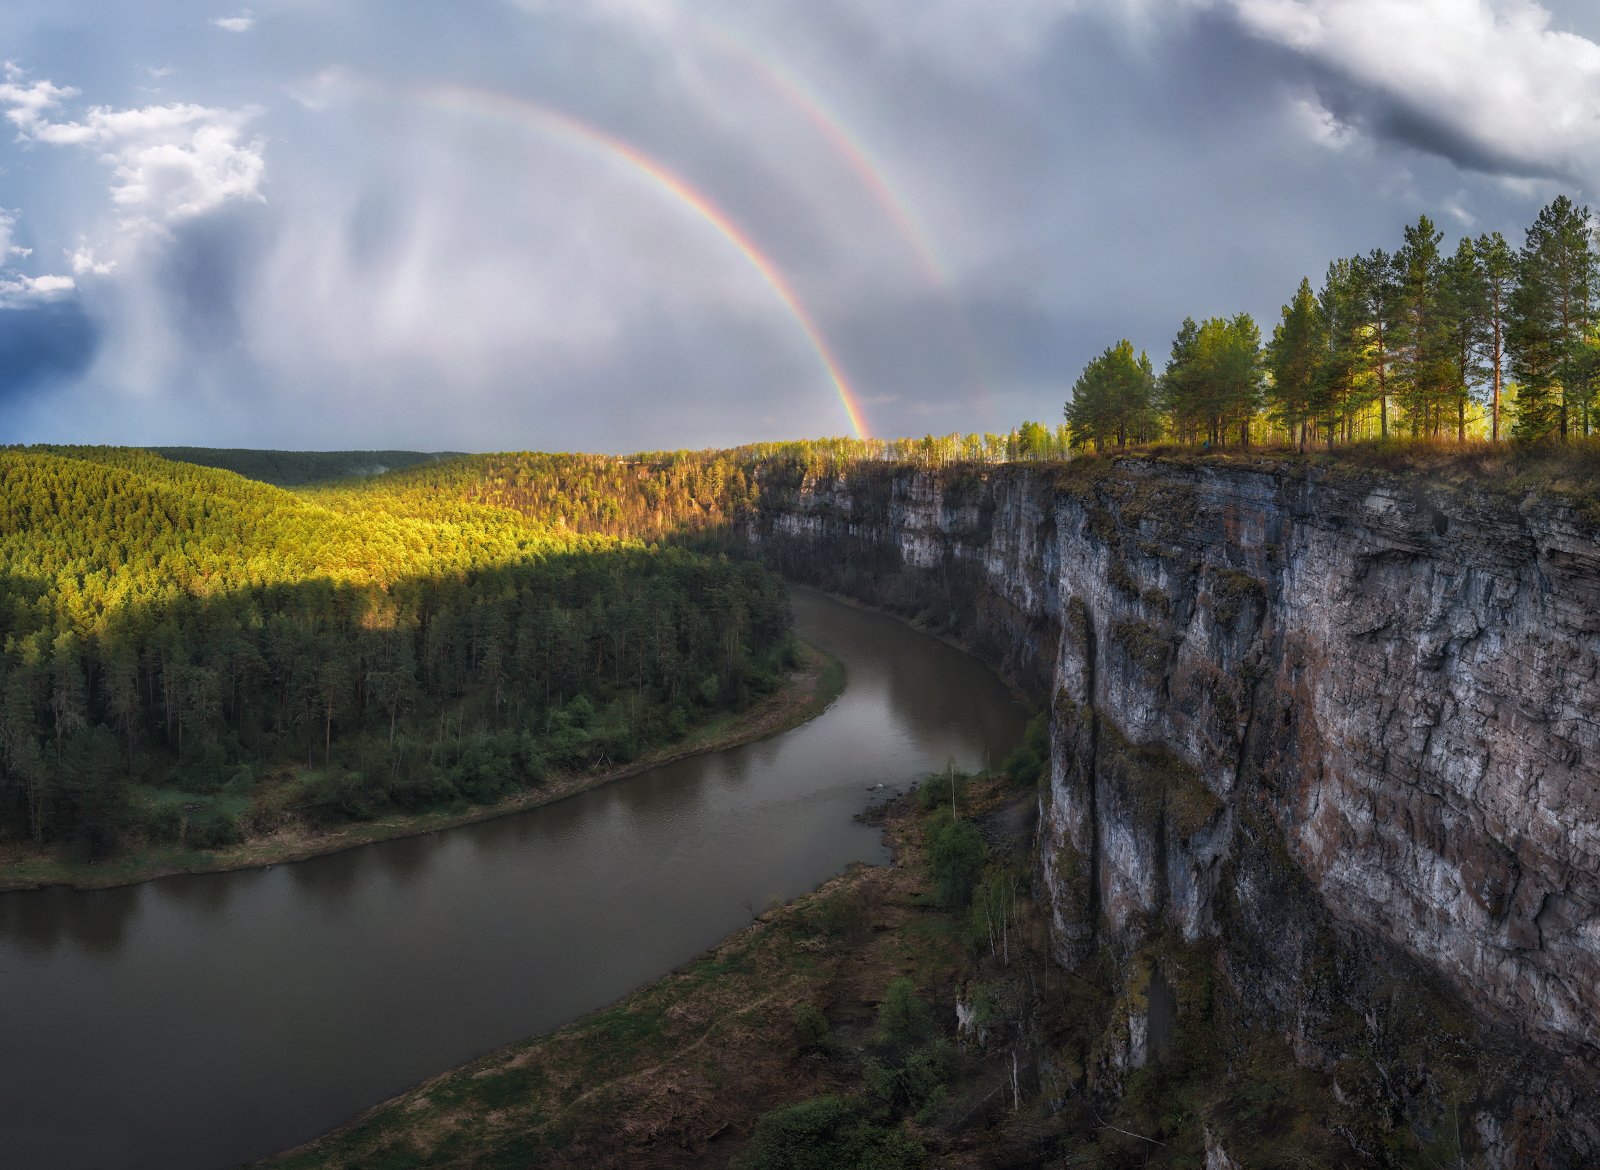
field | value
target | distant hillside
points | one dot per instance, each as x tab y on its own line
295	468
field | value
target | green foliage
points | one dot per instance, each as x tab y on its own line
1030	763
295	468
1212	383
1551	320
169	627
840	914
1145	644
904	1018
956	856
1417	341
915	1084
942	788
1113	399
1231	591
826	1133
811	1030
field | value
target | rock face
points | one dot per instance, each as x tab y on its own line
1343	724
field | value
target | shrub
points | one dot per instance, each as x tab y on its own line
904	1018
811	1031
826	1133
1029	763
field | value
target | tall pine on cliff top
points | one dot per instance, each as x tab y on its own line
1498	264
1552	312
1298	345
1112	400
1211	388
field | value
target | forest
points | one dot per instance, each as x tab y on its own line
1487	340
191	657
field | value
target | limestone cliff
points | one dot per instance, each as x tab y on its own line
1340	726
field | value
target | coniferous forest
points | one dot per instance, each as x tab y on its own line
1486	340
191	657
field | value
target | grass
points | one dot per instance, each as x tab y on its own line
819	680
677	1073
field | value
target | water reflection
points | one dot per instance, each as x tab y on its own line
198	1022
91	921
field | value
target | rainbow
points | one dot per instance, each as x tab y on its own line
803	99
530	115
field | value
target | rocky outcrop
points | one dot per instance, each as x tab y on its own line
1343	725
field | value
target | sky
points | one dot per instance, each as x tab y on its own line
623	225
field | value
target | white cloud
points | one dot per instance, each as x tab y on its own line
28	103
243	23
85	263
8	223
1488	83
1319	124
18	291
169	162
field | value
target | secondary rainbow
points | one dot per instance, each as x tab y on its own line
804	100
530	115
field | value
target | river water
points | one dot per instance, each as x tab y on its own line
194	1023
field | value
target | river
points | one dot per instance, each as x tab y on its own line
197	1022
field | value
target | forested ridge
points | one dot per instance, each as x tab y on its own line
190	656
296	468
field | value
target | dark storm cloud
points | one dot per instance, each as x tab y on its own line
1508	90
1435	132
42	347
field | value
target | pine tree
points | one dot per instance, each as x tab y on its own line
1298	344
1498	265
1385	324
1551	312
1113	398
1465	308
1336	393
1424	352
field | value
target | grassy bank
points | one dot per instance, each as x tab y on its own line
903	1017
807	691
845	996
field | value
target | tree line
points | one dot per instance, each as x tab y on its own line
189	656
1417	342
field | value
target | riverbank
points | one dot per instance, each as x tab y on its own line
806	693
790	1009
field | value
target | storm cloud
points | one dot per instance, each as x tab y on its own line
637	224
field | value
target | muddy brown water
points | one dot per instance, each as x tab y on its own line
192	1023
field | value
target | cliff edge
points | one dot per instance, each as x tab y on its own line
1329	735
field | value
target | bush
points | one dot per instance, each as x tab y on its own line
937	788
826	1133
1031	761
334	796
421	787
904	1019
917	1083
213	828
839	914
811	1031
